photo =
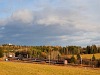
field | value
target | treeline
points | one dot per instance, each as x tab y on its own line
44	51
92	49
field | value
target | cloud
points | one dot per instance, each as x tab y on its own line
73	23
52	20
3	22
24	16
1	36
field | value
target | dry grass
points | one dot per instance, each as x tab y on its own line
87	56
15	68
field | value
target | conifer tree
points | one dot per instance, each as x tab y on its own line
72	59
93	58
78	56
1	53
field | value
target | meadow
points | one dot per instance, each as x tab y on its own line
17	68
87	56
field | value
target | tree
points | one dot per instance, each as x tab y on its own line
73	59
78	56
58	57
43	55
1	53
94	49
88	50
98	49
93	58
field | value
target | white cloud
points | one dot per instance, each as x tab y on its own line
77	23
25	16
56	17
52	20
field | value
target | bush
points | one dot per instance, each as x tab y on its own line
98	63
86	62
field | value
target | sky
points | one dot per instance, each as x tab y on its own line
50	22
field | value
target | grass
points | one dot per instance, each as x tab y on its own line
15	68
87	56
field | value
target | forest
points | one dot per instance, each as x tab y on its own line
54	53
44	51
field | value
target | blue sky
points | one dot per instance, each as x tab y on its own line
50	22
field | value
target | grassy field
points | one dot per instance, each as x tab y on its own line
88	56
15	68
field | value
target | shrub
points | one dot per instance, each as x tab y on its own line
98	63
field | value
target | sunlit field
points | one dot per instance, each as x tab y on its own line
15	68
87	56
